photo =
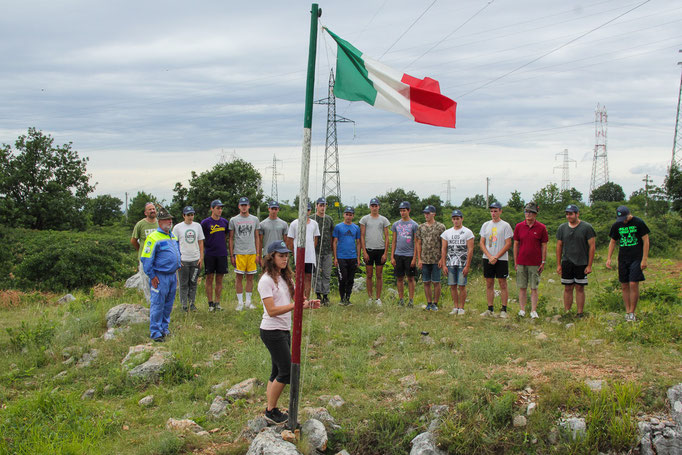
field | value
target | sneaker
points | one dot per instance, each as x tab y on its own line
325	300
410	304
217	307
192	307
401	302
633	318
211	306
580	315
427	307
534	315
345	302
378	302
160	339
487	313
249	306
461	311
455	311
370	301
184	308
276	416
627	316
434	307
522	313
503	314
240	306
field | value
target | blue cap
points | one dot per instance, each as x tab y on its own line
278	246
187	210
321	201
310	206
572	208
495	205
622	213
243	201
349	210
374	201
273	204
429	209
404	205
217	203
456	213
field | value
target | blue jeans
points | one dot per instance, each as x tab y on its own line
430	272
455	276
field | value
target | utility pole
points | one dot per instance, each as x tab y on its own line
275	175
126	206
600	163
677	143
487	188
331	177
565	180
646	181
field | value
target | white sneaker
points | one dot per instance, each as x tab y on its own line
461	311
240	306
633	318
487	313
455	311
249	306
370	301
627	316
378	302
503	315
534	315
522	313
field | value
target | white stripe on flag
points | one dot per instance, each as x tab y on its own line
392	94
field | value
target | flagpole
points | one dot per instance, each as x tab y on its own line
302	222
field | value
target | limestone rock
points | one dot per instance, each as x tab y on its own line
146	401
531	408
594	384
519	421
425	444
184	426
393	293
570	325
158	359
87	358
323	416
66	299
288	436
269	442
253	427
359	285
134	282
220	388
126	314
88	394
218	408
574	426
60	375
334	401
675	400
241	390
316	434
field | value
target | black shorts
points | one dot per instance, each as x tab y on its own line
630	271
215	264
278	343
499	269
403	266
308	267
375	258
573	274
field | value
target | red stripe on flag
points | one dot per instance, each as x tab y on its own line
427	104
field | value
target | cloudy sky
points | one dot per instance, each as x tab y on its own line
150	91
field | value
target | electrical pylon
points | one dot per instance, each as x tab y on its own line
600	163
565	179
677	144
331	178
274	196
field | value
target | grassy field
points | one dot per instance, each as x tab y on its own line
485	369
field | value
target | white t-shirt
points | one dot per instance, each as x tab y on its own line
280	294
495	235
457	252
189	235
312	230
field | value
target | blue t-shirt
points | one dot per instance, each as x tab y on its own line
404	232
215	236
347	234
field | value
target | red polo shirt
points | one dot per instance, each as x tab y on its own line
530	242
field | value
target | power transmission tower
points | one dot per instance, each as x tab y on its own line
600	163
565	179
275	175
331	178
448	192
677	144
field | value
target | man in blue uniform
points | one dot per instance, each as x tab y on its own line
161	259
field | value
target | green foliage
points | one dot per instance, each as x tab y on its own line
673	186
516	201
611	418
478	201
43	186
387	432
57	261
652	201
105	210
548	197
392	199
38	336
137	205
608	192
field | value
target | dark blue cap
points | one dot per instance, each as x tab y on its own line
349	210
321	201
374	201
572	208
310	206
273	204
622	213
187	210
243	201
278	246
495	205
429	209
404	205
456	213
217	203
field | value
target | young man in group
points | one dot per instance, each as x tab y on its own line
323	251
530	255
428	252
215	254
457	253
312	236
142	229
575	247
272	228
245	251
632	236
496	240
346	248
191	238
403	253
374	242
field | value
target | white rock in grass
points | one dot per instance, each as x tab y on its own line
334	401
316	434
88	394
220	388
241	390
425	444
519	421
218	408
66	299
531	408
87	358
185	425
126	314
594	384
146	401
574	426
269	442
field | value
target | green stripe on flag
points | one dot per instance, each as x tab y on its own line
352	80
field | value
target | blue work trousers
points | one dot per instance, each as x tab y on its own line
161	304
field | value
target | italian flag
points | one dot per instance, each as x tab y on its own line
361	78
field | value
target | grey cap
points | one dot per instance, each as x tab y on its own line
531	207
321	201
243	201
349	210
374	201
273	204
456	213
429	209
404	205
622	213
572	208
278	246
217	203
187	210
495	205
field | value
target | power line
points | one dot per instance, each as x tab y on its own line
408	28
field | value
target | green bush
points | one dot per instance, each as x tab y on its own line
387	432
38	336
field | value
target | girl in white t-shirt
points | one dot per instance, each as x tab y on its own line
276	288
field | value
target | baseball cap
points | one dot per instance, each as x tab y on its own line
572	208
243	201
531	207
310	206
273	204
495	205
622	212
429	209
404	205
349	210
278	246
321	201
217	203
456	213
374	201
187	210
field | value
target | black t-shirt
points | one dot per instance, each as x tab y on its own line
629	238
